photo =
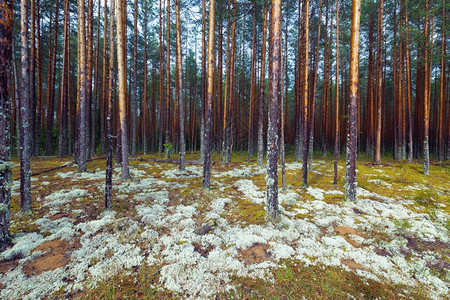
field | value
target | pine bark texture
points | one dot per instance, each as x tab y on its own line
82	129
379	83
206	182
336	116
25	145
109	112
272	131
426	98
6	32
313	91
134	99
63	122
122	74
180	88
261	90
203	87
167	113
350	178
305	96
442	91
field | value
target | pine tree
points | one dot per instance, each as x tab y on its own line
6	38
274	90
350	175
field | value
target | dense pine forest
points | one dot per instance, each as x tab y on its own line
258	149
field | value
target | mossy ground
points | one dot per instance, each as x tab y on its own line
293	280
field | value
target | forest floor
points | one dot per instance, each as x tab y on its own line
393	242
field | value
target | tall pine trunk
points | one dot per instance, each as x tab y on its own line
167	114
25	180
442	91
63	122
261	90
122	74
161	81
426	98
379	83
34	142
82	127
6	34
272	131
305	90
180	88
206	182
134	93
203	87
350	175
313	91
109	110
336	115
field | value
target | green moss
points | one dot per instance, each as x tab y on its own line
250	213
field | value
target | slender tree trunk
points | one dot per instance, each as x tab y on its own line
230	116
325	119
134	99
203	88
305	91
261	91
225	103
34	148
25	181
109	105
89	72
6	33
63	122
426	100
379	82
122	74
167	122
82	129
95	96
17	102
313	88
145	96
252	86
272	132
103	105
51	85
207	156
442	90
370	99
409	87
350	178
161	81
336	116
180	87
283	119
39	104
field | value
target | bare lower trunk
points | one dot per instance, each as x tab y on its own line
272	212
336	135
122	74
206	182
25	181
109	119
203	88
305	91
134	99
6	31
261	92
350	176
180	88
